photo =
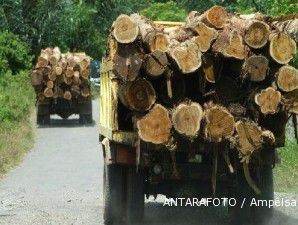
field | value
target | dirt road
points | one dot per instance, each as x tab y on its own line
60	182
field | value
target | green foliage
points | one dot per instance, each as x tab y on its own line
16	93
286	173
269	7
14	53
16	98
160	11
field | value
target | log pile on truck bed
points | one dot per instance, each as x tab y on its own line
58	75
219	77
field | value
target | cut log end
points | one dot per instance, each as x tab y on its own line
187	57
48	93
187	118
217	16
138	95
235	48
67	95
125	29
50	84
287	78
156	63
257	34
127	62
157	42
85	92
205	36
282	48
155	127
268	100
220	123
249	137
209	69
256	67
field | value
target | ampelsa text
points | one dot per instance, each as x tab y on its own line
193	202
274	203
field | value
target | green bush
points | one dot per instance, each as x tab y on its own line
16	99
14	54
169	11
16	93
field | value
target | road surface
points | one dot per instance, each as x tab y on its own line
60	182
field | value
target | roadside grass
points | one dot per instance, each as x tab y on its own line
286	173
15	143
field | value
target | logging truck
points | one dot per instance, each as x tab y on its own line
62	85
194	110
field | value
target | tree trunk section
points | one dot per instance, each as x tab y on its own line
138	95
282	48
48	92
67	95
256	67
230	44
55	57
268	100
187	118
187	56
125	29
156	63
215	17
155	127
287	78
220	123
289	26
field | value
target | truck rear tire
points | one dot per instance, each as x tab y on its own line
43	115
113	194
135	198
249	214
86	116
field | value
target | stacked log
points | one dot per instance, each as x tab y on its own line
219	77
58	75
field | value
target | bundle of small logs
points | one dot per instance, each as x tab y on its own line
58	75
217	78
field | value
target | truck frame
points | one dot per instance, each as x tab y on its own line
134	169
64	108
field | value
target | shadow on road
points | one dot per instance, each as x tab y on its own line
54	123
156	214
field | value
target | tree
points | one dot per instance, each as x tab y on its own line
169	11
